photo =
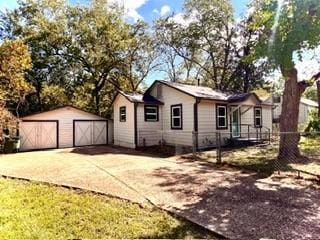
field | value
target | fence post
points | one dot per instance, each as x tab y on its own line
194	144
218	143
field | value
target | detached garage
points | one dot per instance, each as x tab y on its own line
62	128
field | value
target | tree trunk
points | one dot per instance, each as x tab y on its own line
96	99
289	136
318	93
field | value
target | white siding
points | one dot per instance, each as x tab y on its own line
207	129
170	97
149	133
304	112
65	116
110	132
123	131
267	117
207	121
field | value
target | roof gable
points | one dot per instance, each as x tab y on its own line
206	92
138	98
61	108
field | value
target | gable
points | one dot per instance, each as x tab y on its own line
62	112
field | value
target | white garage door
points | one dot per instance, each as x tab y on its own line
36	135
90	132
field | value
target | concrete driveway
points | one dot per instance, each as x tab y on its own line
234	204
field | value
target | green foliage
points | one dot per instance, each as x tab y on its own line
207	44
289	26
54	96
37	211
311	93
14	61
314	122
76	46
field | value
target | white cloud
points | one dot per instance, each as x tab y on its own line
131	8
184	21
165	10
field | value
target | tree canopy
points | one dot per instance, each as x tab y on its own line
212	46
80	48
14	62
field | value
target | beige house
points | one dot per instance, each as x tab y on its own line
180	114
62	128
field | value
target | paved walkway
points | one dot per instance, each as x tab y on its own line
234	204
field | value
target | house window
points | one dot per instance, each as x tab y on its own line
151	113
176	116
221	111
258	117
123	114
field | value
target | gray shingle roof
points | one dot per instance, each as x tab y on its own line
209	93
141	98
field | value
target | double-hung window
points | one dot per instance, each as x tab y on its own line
222	121
176	116
122	114
258	117
151	113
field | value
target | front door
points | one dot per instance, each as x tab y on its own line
235	121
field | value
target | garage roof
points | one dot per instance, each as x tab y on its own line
58	108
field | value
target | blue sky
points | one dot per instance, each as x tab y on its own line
148	10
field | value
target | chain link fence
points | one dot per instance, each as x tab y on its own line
255	150
267	153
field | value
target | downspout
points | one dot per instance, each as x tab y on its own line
135	126
196	122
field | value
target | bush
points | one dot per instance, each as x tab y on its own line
314	122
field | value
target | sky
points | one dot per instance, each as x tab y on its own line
150	10
147	10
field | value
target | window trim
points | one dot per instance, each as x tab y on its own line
125	113
172	117
146	114
255	117
217	116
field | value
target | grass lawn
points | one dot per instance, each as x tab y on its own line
39	211
263	159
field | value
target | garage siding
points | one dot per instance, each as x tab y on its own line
65	116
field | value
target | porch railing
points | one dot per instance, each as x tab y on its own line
250	131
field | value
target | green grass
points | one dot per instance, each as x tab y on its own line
39	211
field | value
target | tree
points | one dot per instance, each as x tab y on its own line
290	27
14	62
212	47
140	55
80	47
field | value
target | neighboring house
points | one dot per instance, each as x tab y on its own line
180	114
64	127
305	107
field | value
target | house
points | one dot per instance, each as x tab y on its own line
64	127
305	107
187	115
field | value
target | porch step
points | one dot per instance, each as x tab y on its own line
245	141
